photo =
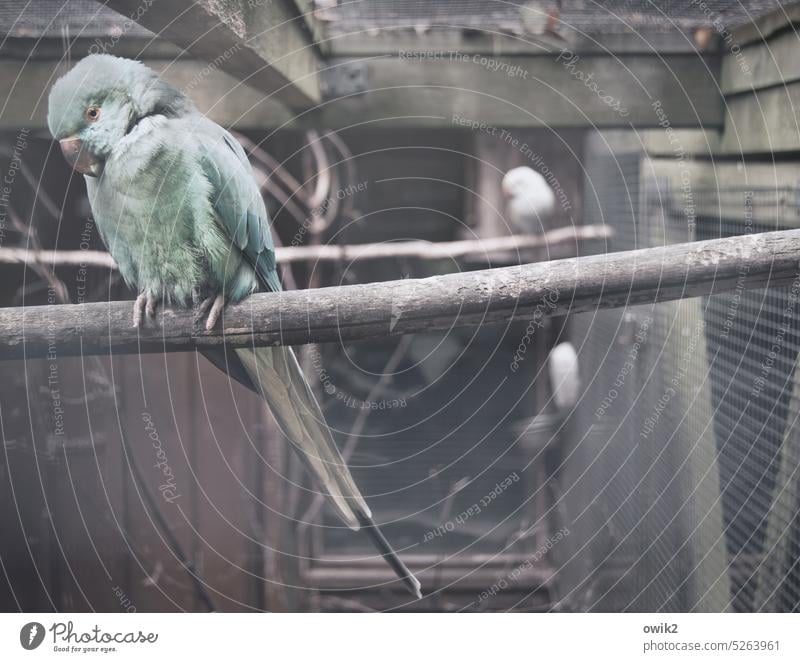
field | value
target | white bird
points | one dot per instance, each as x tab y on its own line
530	200
539	16
565	378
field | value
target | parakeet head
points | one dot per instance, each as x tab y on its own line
101	100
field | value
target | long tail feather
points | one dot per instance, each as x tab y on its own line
400	569
283	385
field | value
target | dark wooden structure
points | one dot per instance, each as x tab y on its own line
432	118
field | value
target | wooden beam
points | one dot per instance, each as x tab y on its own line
762	122
762	64
542	92
315	27
220	96
761	82
643	42
555	90
764	27
264	43
377	310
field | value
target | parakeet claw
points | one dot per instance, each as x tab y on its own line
216	311
217	304
145	304
150	309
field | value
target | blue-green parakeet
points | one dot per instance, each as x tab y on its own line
175	201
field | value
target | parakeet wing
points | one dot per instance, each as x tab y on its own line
237	201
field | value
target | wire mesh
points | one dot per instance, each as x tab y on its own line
688	432
514	16
91	19
57	18
753	342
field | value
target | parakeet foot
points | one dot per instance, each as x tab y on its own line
217	304
144	304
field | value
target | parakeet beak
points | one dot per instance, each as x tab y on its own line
78	158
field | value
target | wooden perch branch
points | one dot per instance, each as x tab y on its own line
553	244
377	310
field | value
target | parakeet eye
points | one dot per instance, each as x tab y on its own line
93	113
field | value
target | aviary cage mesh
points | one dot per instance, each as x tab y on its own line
87	18
682	476
602	16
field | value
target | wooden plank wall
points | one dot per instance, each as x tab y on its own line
761	82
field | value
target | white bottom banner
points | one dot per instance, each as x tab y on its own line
387	637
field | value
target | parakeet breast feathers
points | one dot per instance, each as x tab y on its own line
153	207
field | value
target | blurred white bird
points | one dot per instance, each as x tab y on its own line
539	16
530	200
565	378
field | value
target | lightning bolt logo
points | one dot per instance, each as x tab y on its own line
31	635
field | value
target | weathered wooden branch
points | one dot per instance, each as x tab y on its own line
377	310
554	243
57	258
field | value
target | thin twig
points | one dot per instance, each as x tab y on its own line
561	237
